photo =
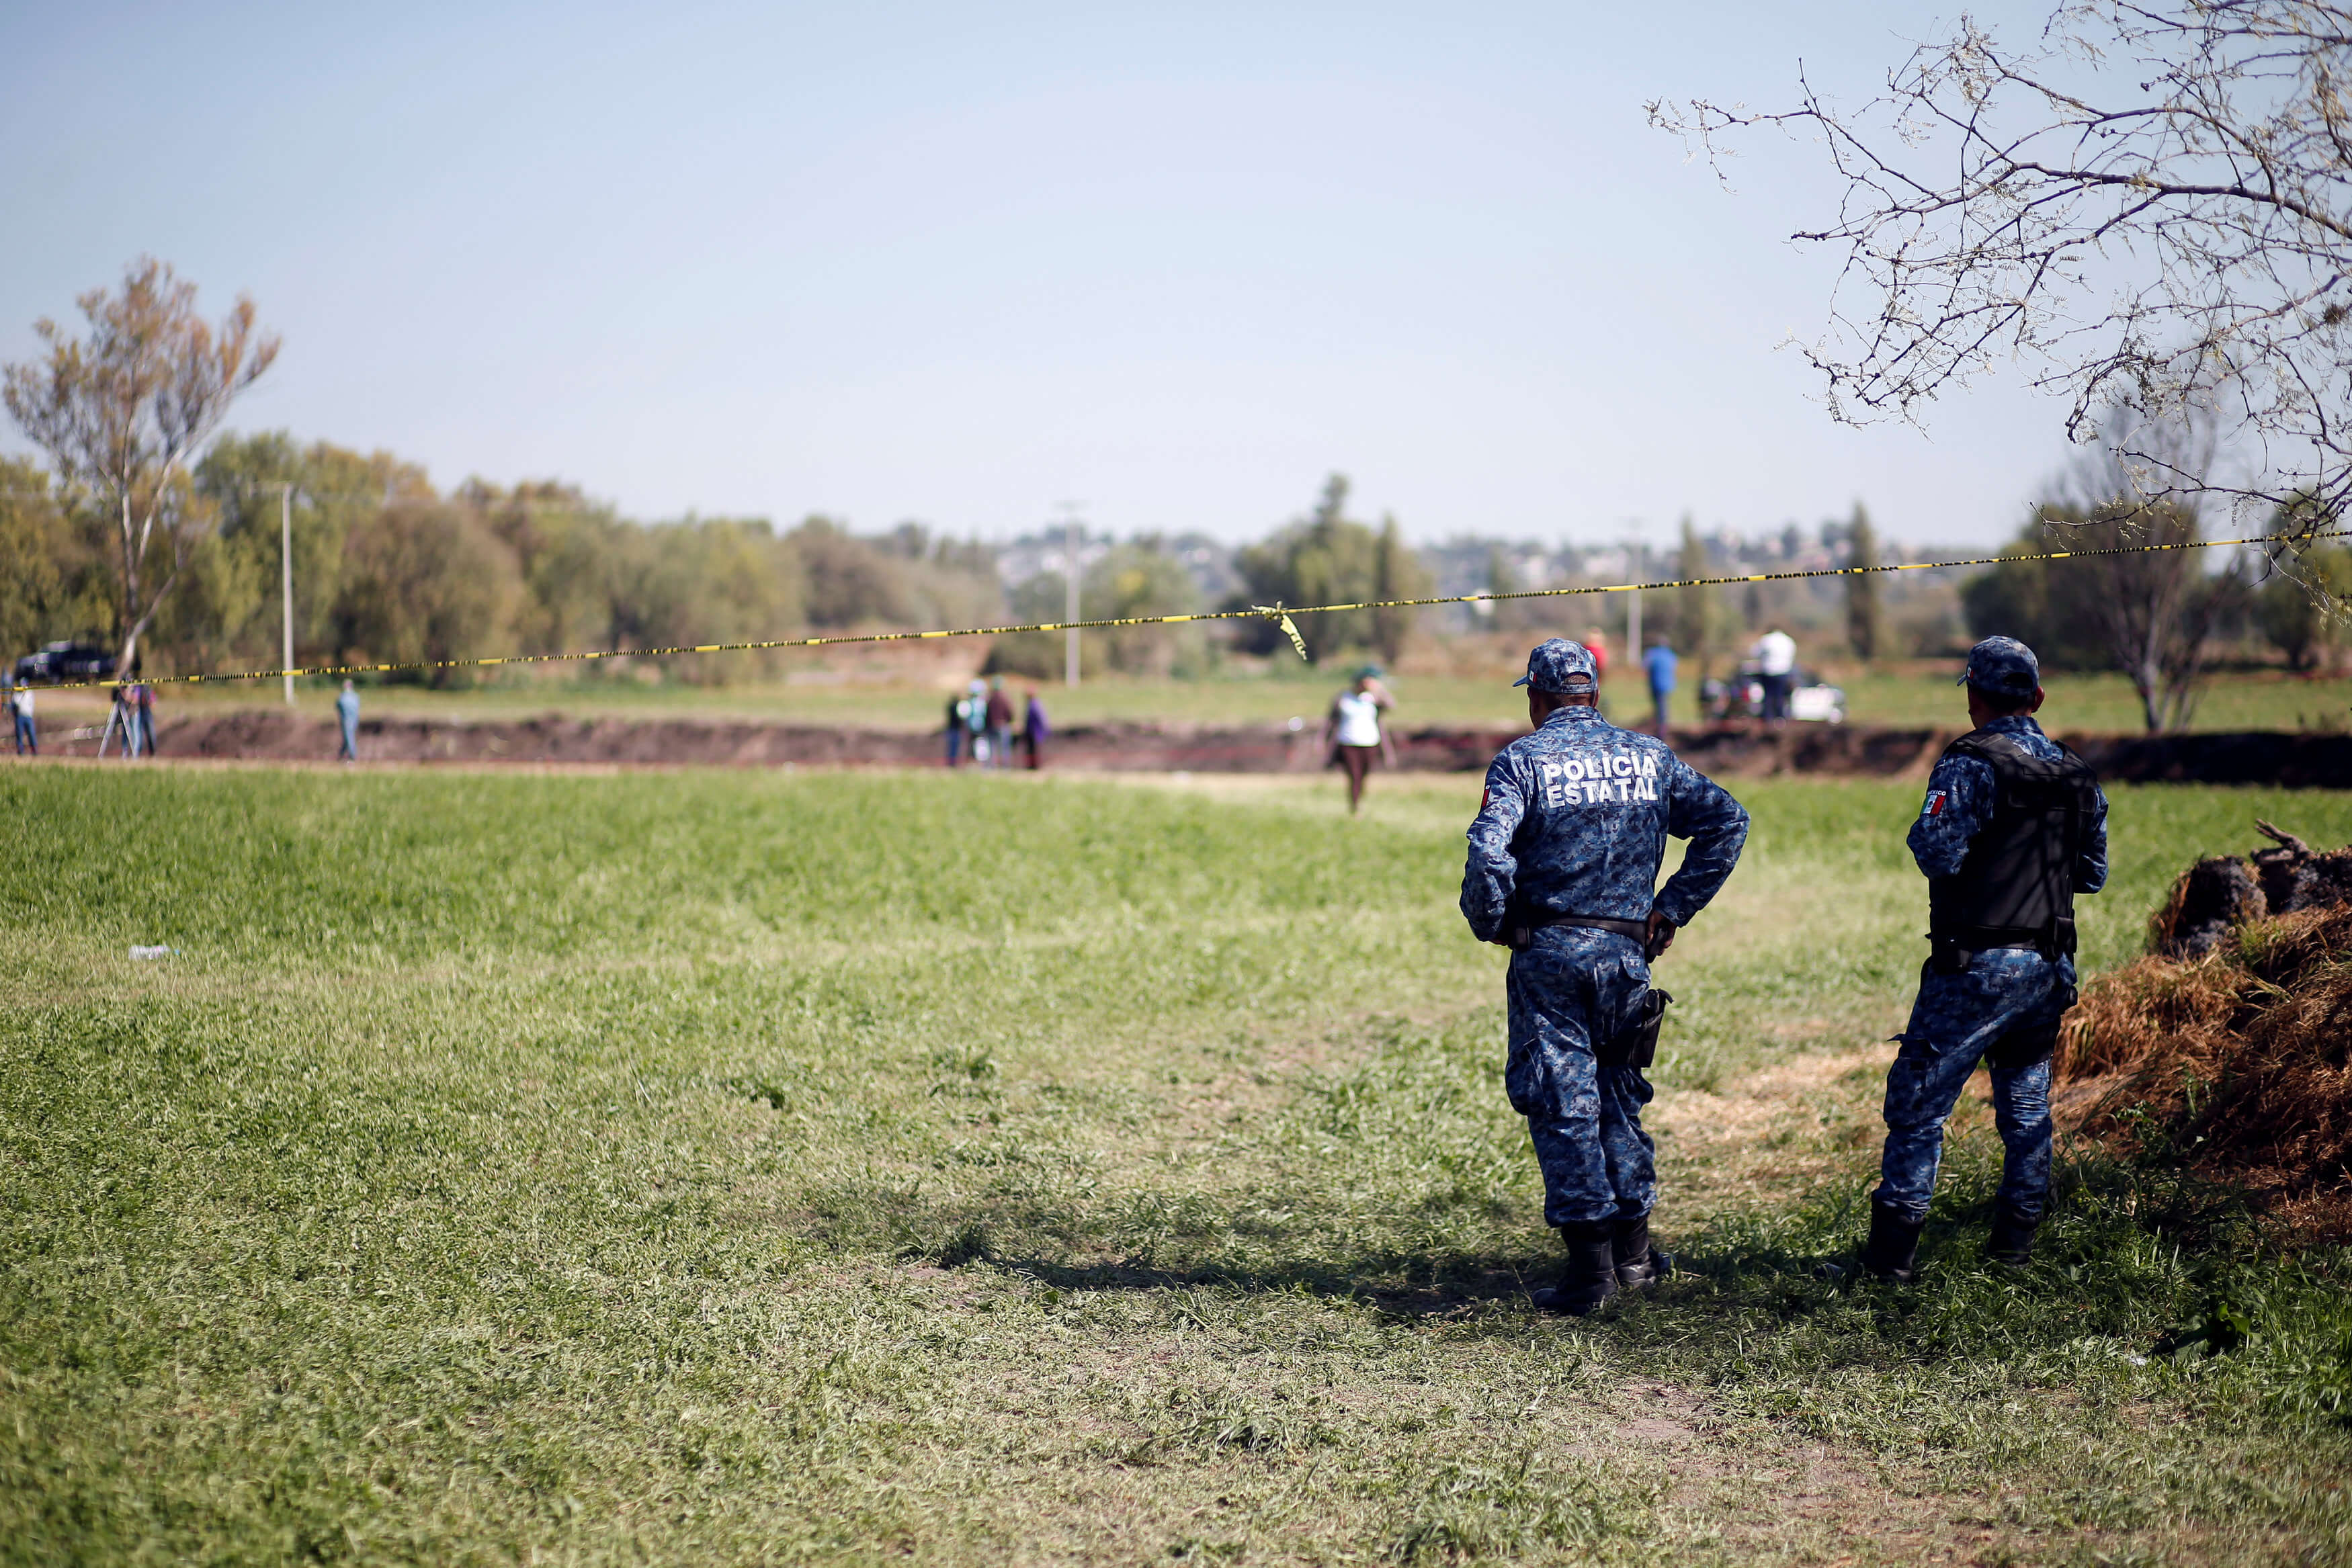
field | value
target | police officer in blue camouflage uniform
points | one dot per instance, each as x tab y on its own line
1564	858
2014	825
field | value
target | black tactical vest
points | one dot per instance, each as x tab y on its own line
2015	888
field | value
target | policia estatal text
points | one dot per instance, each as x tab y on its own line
1564	855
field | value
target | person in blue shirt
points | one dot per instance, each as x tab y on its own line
1564	870
1658	663
347	712
2013	827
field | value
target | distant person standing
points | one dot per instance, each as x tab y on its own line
1776	666
120	718
145	715
347	710
2013	827
975	721
956	705
20	705
1035	729
999	712
1660	665
1353	730
1564	870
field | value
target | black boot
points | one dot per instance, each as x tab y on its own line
1591	1276
2012	1242
1893	1246
1639	1264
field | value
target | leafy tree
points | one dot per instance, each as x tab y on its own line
229	608
576	558
426	581
2304	614
1324	558
714	580
1694	608
1512	616
1397	573
57	586
1135	579
1863	623
902	578
2040	603
124	412
850	583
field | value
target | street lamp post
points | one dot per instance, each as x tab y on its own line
285	580
1634	600
1073	533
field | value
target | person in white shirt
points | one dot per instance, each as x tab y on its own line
1354	733
1776	662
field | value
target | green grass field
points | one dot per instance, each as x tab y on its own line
719	1166
1911	692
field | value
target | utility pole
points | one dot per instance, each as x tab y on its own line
1633	600
286	578
1073	534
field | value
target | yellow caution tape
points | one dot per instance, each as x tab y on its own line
1279	614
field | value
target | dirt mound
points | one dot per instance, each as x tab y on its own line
2231	1043
2222	892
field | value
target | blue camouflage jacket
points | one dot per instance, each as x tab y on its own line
1575	822
1959	806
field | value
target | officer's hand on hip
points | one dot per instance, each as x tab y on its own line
1662	934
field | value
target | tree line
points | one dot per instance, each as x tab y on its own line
152	533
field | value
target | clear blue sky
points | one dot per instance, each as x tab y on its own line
958	263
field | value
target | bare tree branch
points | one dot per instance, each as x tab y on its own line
2149	207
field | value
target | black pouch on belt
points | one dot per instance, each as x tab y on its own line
1636	1045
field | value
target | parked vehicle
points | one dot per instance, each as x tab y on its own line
1811	699
66	662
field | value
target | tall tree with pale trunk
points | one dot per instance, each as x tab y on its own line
1862	618
124	412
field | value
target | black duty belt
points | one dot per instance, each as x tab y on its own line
1522	933
1951	948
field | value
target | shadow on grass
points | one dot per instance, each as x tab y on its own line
2135	1253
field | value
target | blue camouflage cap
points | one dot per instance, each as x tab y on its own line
1559	667
2002	667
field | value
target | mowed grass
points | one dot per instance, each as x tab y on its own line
733	1167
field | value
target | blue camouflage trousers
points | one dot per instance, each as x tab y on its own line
2005	1005
1569	990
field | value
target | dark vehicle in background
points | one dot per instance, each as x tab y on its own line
65	662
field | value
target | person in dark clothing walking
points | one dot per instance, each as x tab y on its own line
1035	729
956	707
1564	855
2013	827
998	714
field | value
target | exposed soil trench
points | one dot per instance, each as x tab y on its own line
2275	758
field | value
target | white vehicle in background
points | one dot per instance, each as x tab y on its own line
1818	703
